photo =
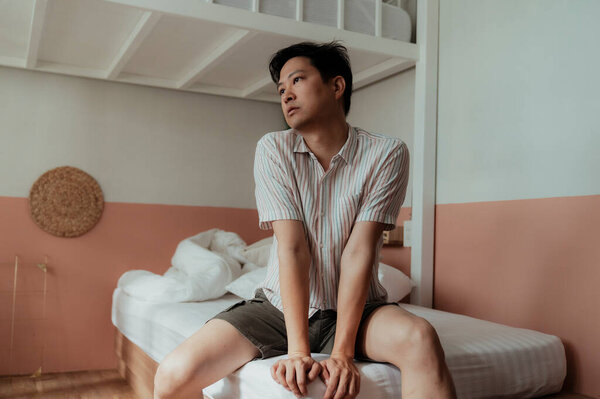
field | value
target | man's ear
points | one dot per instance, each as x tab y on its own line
339	85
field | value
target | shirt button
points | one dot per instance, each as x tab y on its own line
321	245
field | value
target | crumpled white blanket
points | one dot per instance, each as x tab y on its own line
201	268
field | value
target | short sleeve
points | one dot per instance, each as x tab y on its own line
382	201
273	188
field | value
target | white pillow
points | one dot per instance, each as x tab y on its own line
258	253
244	286
397	284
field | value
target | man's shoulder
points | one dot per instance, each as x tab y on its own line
279	143
384	142
277	137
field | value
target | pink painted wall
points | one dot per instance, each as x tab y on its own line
77	333
527	263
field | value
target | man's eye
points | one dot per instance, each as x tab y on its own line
296	78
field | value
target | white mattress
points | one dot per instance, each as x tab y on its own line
485	359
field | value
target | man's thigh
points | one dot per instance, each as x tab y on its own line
211	353
382	330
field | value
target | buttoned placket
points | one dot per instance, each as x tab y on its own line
322	200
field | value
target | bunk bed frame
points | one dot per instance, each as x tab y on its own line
64	52
402	55
135	365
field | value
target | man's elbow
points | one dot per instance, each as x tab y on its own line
299	252
361	255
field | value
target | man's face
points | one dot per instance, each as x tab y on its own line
305	98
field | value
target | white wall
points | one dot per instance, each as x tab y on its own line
519	99
387	107
151	145
142	144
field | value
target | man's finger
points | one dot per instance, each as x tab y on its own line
301	378
324	374
273	369
290	378
281	376
352	386
342	386
314	371
331	385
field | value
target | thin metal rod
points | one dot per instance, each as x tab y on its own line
300	10
340	14
378	17
12	317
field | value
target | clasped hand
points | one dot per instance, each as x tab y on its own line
339	374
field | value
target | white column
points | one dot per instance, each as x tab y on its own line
424	151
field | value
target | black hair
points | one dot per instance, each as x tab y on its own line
331	59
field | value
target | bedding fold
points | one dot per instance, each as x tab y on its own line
201	267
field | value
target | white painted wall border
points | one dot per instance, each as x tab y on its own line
424	153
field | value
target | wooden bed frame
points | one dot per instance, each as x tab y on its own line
135	366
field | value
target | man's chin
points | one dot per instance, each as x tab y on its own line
295	123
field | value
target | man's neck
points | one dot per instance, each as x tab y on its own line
326	140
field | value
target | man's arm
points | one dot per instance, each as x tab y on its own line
355	272
339	372
294	265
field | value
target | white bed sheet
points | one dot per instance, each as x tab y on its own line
485	359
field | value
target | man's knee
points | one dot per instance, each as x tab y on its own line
417	340
172	375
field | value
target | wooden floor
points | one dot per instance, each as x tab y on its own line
80	384
99	384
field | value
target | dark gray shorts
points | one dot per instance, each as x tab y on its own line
264	325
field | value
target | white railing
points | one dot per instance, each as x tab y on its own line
299	15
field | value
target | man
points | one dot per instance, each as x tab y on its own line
328	190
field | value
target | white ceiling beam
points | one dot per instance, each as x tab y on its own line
35	33
232	43
226	91
380	71
15	62
65	69
258	87
71	70
260	22
146	80
143	28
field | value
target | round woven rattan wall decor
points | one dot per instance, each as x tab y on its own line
66	202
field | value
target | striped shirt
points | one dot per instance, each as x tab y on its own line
366	181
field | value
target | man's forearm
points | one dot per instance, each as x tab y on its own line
355	273
294	285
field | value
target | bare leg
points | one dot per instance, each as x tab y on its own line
211	353
393	335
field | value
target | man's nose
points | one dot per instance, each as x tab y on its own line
289	95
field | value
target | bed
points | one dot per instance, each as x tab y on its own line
486	359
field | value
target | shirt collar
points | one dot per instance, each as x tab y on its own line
346	152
